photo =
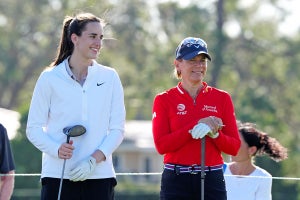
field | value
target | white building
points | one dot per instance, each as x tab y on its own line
10	120
137	153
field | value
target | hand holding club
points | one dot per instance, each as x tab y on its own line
65	151
207	126
215	123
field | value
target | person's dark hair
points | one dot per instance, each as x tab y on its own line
77	25
265	144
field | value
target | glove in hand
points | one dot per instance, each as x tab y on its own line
213	122
83	170
200	130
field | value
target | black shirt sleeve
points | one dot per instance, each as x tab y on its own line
6	157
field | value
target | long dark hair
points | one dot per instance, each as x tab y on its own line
265	144
77	25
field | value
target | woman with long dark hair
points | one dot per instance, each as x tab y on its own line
254	143
76	90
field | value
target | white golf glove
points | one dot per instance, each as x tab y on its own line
83	170
200	130
215	124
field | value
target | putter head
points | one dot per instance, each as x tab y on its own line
74	131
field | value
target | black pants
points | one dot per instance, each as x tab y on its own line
90	189
188	186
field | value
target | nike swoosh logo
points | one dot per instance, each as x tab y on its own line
98	84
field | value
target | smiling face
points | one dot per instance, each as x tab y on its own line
88	45
192	71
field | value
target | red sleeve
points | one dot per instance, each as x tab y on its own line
228	140
165	140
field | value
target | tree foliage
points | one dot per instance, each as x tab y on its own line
257	66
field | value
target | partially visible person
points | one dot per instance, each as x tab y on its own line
254	143
7	166
77	90
182	117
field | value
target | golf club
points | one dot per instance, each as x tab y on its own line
203	162
70	131
202	166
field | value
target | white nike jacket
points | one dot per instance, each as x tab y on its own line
59	101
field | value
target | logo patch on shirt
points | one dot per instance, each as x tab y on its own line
98	84
181	109
210	108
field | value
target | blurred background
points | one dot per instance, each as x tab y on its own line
255	49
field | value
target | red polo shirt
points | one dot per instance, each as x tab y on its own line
175	113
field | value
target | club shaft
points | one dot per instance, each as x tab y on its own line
202	167
61	180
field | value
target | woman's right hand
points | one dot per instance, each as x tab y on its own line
65	151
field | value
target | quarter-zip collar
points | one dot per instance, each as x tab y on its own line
182	91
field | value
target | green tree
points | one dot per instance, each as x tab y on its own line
257	66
